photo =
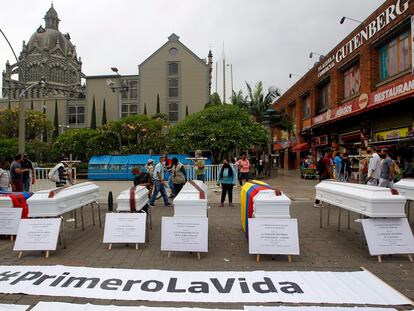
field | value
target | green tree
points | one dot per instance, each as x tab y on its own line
56	122
75	142
104	121
214	100
258	103
220	129
104	142
145	108
8	148
186	110
158	104
93	115
238	99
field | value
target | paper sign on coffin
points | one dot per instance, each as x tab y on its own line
133	199
367	200
405	187
55	202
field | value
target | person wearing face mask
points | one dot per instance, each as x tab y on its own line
227	178
374	167
387	170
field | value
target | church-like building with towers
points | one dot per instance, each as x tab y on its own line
173	73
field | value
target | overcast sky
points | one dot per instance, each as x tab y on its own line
263	39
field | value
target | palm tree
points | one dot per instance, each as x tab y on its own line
238	99
258	103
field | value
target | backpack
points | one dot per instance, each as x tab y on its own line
54	173
179	175
320	166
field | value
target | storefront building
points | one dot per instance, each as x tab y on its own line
360	93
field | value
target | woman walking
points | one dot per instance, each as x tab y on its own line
227	178
178	175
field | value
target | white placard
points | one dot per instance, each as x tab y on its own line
125	228
317	287
39	234
386	236
10	307
273	236
65	306
184	234
314	308
10	220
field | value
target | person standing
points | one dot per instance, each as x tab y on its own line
387	170
324	167
159	183
345	171
16	172
374	167
338	166
199	166
168	168
28	177
178	175
227	178
4	176
244	168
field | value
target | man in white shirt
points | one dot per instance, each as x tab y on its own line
4	176
374	167
159	183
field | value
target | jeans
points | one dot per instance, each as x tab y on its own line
245	177
171	184
201	177
26	185
159	187
385	183
4	189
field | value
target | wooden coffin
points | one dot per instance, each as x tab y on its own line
57	201
405	188
366	200
266	204
190	205
125	201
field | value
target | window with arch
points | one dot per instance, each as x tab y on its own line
34	73
57	74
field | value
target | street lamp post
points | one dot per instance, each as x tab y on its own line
22	110
62	127
120	88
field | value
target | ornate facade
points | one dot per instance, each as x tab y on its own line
49	54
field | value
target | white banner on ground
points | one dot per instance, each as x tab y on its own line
359	287
64	306
387	236
282	308
10	220
10	307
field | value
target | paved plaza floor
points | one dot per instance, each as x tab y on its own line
323	249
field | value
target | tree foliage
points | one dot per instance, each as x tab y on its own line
220	129
158	104
56	122
104	121
75	142
215	100
93	115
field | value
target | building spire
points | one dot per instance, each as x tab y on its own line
51	19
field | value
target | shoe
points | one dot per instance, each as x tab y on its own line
172	195
221	205
168	205
151	204
231	204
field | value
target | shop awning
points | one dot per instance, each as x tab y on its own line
301	147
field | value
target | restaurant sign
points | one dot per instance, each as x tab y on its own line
400	88
370	30
342	110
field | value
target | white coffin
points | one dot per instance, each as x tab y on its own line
190	205
405	187
267	204
141	198
367	200
190	188
65	200
5	202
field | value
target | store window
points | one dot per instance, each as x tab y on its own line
306	106
173	68
128	110
394	57
173	88
76	115
173	112
352	81
133	89
324	97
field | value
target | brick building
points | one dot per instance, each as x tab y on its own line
359	93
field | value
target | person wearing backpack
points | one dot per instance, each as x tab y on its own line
58	174
178	175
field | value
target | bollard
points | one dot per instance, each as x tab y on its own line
110	202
